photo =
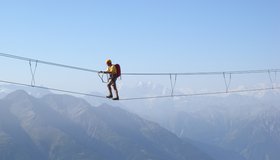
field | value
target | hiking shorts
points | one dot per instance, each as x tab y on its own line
113	79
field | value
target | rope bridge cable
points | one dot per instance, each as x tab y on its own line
202	94
203	73
52	89
47	63
138	74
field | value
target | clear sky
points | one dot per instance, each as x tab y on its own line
145	35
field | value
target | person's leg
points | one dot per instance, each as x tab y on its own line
116	90
110	89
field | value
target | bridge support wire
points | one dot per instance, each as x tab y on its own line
227	82
33	72
173	83
272	80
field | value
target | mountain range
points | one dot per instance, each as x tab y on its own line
57	127
230	126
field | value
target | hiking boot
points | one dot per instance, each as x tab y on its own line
110	96
117	98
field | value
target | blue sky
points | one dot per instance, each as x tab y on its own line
145	35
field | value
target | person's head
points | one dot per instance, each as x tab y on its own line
109	62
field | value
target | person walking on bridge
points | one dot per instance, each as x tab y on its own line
114	71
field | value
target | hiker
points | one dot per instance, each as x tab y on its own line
114	71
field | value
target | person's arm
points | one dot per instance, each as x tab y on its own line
106	72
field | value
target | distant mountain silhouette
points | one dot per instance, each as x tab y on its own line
64	127
239	126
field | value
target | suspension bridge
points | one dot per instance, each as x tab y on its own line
227	76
